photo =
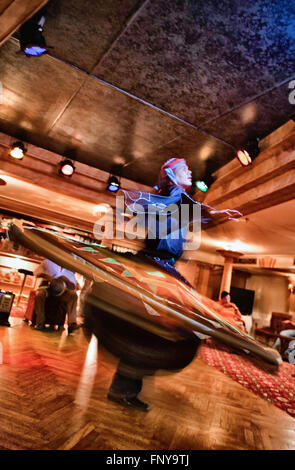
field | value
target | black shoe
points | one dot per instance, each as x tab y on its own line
72	327
129	402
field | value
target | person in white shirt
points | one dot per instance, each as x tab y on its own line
57	284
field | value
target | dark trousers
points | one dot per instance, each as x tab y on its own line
54	309
125	385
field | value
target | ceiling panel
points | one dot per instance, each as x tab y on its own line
256	119
196	59
82	31
109	127
34	92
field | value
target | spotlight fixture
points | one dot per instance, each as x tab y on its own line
66	168
244	157
202	186
32	42
17	150
249	153
205	183
206	179
113	184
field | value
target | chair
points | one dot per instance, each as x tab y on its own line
285	338
272	332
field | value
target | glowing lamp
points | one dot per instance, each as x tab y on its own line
244	157
32	41
113	184
34	50
201	185
17	150
66	168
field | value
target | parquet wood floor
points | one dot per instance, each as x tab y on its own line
53	396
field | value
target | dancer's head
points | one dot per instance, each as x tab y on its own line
175	172
225	297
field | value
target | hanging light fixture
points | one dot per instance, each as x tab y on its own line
113	184
66	168
206	179
32	42
17	150
205	183
249	153
202	186
244	157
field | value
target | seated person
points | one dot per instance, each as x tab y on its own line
286	334
57	283
230	311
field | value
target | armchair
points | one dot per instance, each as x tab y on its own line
270	333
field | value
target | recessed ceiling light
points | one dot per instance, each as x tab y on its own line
17	150
66	168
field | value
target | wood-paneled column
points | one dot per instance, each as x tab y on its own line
229	257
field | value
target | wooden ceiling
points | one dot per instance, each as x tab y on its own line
136	82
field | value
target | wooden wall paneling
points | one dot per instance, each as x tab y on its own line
239	278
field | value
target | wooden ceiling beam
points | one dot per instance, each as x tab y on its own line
269	181
47	215
40	167
14	13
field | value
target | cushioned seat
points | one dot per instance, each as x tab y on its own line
272	332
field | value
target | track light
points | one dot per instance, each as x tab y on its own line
206	181
17	150
249	153
201	185
244	157
113	184
32	42
66	168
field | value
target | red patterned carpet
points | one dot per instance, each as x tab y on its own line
278	387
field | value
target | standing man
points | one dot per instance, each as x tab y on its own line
59	287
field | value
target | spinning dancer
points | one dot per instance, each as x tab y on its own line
141	352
